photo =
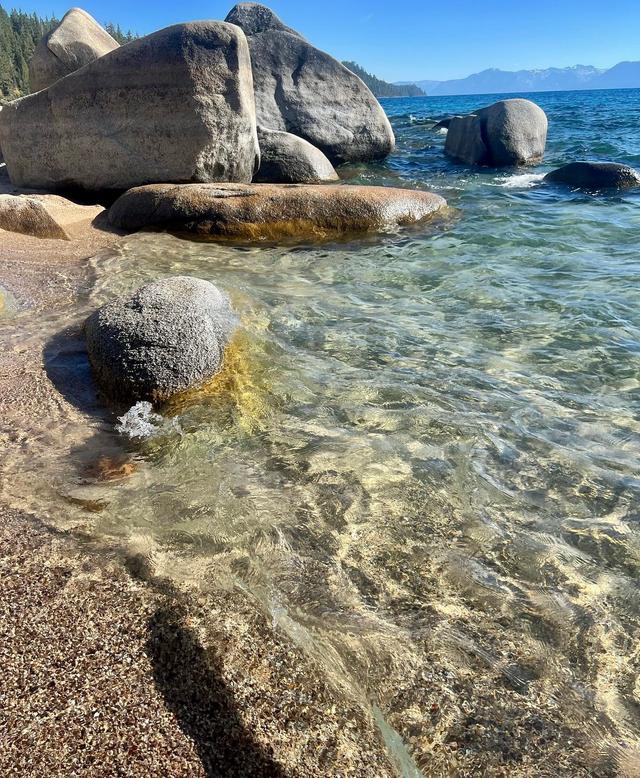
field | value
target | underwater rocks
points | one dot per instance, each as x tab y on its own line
169	336
176	105
74	43
507	133
287	159
595	175
301	90
270	211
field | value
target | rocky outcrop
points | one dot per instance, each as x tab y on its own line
75	42
269	211
166	338
174	106
507	133
287	159
44	216
301	90
595	175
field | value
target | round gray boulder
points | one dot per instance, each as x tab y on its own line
169	336
505	134
75	42
595	175
287	159
301	90
515	132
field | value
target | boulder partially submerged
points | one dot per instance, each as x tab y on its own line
74	43
169	336
595	175
173	106
507	133
301	90
287	159
269	211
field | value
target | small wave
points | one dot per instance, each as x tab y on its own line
521	180
442	131
140	421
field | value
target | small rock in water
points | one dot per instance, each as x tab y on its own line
169	336
595	175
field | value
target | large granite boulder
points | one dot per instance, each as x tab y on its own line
505	134
75	42
169	336
270	211
595	175
287	159
174	106
301	90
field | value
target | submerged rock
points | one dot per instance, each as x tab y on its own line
301	90
169	336
512	132
595	175
287	159
270	211
174	106
74	43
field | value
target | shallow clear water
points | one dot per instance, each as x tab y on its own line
422	456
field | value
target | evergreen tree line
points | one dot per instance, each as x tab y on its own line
19	35
382	88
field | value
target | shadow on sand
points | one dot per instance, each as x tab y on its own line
189	678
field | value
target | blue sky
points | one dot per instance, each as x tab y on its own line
419	39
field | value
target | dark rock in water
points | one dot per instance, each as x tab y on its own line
595	175
287	159
301	90
270	211
74	43
514	132
168	337
464	140
174	106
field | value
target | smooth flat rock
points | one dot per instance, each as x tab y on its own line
270	211
287	159
595	175
514	132
301	90
75	42
169	336
173	106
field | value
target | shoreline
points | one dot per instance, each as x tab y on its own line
105	671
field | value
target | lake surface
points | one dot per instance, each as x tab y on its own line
422	457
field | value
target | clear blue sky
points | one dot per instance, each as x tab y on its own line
419	39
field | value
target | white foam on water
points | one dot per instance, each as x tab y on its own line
520	180
140	421
442	131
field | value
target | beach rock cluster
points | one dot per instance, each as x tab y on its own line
507	133
180	105
169	336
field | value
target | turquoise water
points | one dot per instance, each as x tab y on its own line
422	458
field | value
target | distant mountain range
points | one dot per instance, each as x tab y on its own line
625	75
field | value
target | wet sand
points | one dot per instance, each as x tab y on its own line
107	670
